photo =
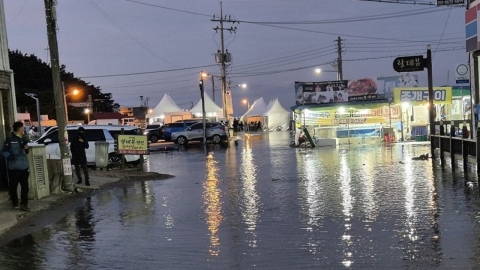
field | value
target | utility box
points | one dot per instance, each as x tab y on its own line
101	154
38	179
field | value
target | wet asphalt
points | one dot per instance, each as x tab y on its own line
262	204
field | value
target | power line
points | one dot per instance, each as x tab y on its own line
354	19
146	72
118	26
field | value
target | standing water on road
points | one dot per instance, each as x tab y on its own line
265	205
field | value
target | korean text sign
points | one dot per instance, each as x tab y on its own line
132	145
419	95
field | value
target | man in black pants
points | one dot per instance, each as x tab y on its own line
15	150
79	157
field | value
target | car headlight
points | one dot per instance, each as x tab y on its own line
145	133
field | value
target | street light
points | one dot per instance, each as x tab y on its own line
243	85
87	111
319	71
245	101
34	96
202	94
74	92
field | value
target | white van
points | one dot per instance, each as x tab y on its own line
129	121
93	133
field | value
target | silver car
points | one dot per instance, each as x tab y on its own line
215	132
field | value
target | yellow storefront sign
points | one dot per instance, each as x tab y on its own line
419	95
132	145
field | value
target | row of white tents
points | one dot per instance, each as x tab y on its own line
272	115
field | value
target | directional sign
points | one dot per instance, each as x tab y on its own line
450	2
408	63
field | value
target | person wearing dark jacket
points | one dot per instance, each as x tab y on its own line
15	150
79	157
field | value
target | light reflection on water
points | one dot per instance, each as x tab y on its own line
213	204
264	205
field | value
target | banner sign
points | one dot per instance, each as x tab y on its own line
321	92
335	116
366	89
419	95
132	145
387	84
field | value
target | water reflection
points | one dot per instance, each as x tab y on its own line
267	206
212	203
249	197
347	203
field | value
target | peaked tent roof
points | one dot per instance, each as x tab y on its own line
165	105
276	117
257	109
210	106
274	107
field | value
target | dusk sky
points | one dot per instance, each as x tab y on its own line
160	46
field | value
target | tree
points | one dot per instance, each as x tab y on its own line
32	75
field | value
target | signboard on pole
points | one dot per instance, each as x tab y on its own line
461	74
132	145
408	63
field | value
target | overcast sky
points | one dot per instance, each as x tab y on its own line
276	43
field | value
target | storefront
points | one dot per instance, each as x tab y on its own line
352	112
369	118
359	122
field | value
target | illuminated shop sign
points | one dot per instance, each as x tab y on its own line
419	95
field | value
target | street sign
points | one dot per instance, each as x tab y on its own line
461	74
408	63
79	104
462	81
450	2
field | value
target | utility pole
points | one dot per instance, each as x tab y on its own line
51	18
222	56
339	60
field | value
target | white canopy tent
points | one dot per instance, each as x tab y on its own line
212	110
254	114
256	110
276	118
166	105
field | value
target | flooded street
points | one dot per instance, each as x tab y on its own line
265	205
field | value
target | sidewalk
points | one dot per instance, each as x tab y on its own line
98	179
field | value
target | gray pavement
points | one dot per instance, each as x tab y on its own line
98	179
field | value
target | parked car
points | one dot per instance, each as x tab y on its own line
93	134
166	130
151	127
215	132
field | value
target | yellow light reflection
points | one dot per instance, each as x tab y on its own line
212	202
250	198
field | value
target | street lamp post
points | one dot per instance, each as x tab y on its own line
75	92
87	111
34	96
202	94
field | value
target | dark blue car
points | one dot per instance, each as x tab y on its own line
165	132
